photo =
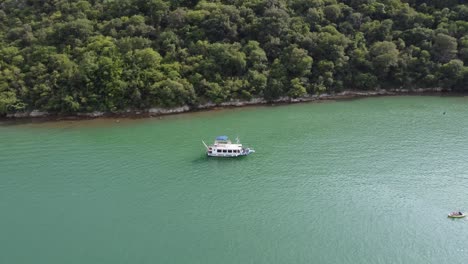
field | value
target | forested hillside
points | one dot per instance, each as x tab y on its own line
109	55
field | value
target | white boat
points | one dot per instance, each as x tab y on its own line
223	147
456	215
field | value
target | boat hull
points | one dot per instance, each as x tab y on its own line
228	155
457	216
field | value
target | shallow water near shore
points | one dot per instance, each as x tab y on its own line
360	181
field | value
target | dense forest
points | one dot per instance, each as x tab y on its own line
110	55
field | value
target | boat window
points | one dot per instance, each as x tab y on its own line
218	150
229	151
224	151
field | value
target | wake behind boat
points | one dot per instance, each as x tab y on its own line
223	147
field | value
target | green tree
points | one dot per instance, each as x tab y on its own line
332	12
12	85
256	56
257	82
277	80
141	71
171	93
365	81
445	47
69	56
101	68
297	61
297	88
7	100
383	56
453	75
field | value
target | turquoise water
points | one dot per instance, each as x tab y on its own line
360	181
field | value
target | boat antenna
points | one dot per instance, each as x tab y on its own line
204	144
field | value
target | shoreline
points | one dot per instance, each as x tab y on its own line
37	115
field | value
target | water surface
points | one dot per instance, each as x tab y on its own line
361	181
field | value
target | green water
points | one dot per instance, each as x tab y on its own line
362	181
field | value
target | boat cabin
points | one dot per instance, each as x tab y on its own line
223	147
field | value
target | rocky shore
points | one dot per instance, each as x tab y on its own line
233	103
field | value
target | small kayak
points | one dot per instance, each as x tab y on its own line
456	215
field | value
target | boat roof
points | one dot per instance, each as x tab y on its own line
223	138
227	146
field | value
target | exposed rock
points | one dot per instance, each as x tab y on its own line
206	105
165	111
234	103
238	103
18	115
34	113
37	113
92	114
